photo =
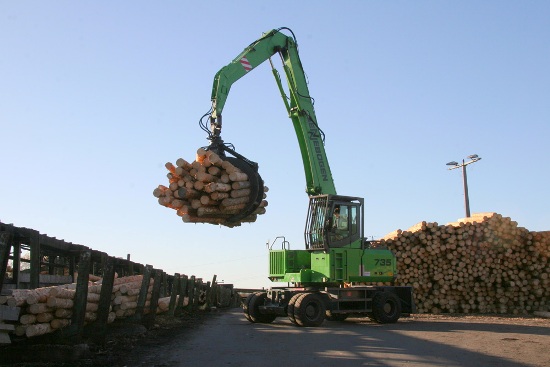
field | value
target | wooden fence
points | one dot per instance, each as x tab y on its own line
82	284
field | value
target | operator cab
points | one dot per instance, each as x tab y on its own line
334	221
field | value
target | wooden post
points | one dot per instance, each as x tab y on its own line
163	285
5	246
34	244
211	292
174	294
16	263
182	292
191	292
207	295
51	264
143	293
81	295
100	325
103	262
149	319
130	265
72	267
197	293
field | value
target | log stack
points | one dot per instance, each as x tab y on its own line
482	264
208	190
164	303
45	310
125	296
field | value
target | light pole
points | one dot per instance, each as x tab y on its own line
473	158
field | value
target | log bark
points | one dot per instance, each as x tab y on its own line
38	329
39	308
59	323
44	317
26	319
54	302
63	313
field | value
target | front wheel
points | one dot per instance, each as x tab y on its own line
246	312
386	307
252	309
309	310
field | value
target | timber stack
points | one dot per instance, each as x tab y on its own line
47	309
482	264
208	190
44	310
125	295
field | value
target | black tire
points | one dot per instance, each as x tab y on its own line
245	307
257	300
290	308
386	307
309	310
335	316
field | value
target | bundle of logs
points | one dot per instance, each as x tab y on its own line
44	310
482	264
208	190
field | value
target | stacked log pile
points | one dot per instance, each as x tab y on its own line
47	309
208	190
44	310
482	264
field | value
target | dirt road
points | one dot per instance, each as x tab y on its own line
227	339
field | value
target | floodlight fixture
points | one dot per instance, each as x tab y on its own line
473	158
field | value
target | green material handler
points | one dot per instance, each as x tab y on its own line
339	273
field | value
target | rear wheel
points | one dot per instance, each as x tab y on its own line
386	307
309	310
253	309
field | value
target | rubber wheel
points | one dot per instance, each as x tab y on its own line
253	309
309	310
335	316
245	307
290	308
386	307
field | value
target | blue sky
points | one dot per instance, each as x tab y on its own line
96	96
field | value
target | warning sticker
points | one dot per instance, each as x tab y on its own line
246	65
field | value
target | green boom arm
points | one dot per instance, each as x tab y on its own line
300	108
